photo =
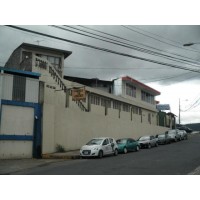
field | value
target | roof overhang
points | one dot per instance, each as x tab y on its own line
141	85
38	47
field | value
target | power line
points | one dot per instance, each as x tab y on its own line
107	50
130	46
159	40
114	68
158	35
194	61
168	77
161	36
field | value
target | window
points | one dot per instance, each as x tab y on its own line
116	105
105	142
105	102
149	118
55	61
95	100
19	88
130	90
147	97
126	107
135	110
111	140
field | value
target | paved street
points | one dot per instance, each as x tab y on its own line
179	158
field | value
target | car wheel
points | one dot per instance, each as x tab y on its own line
115	152
149	146
137	148
100	155
125	150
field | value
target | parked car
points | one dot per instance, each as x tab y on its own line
163	139
147	141
185	128
127	144
183	134
174	136
99	147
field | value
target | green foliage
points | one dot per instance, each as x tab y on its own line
60	148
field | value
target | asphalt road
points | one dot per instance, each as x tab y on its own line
178	158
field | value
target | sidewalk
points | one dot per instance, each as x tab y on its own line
65	155
9	166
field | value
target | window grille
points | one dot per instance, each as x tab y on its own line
19	88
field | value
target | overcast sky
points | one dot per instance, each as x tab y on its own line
85	62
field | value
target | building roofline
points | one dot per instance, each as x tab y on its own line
66	53
86	79
20	72
127	78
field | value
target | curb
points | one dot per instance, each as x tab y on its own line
51	156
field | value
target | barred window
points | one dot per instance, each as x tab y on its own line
106	102
135	110
95	100
126	107
19	88
116	105
140	111
149	118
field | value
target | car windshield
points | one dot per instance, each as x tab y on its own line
171	133
121	141
95	142
144	138
161	136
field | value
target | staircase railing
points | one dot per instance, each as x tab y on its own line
46	65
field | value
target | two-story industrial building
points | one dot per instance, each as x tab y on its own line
123	107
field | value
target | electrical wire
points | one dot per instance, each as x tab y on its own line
143	50
132	47
158	35
159	40
106	50
197	62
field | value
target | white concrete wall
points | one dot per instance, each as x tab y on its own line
7	86
71	127
15	149
17	120
32	90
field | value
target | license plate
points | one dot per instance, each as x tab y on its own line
85	153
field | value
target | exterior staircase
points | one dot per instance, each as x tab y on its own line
45	64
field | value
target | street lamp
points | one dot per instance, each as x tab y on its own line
190	44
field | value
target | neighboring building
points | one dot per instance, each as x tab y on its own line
167	119
110	108
20	114
106	86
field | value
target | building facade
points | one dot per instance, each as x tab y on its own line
126	108
20	114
